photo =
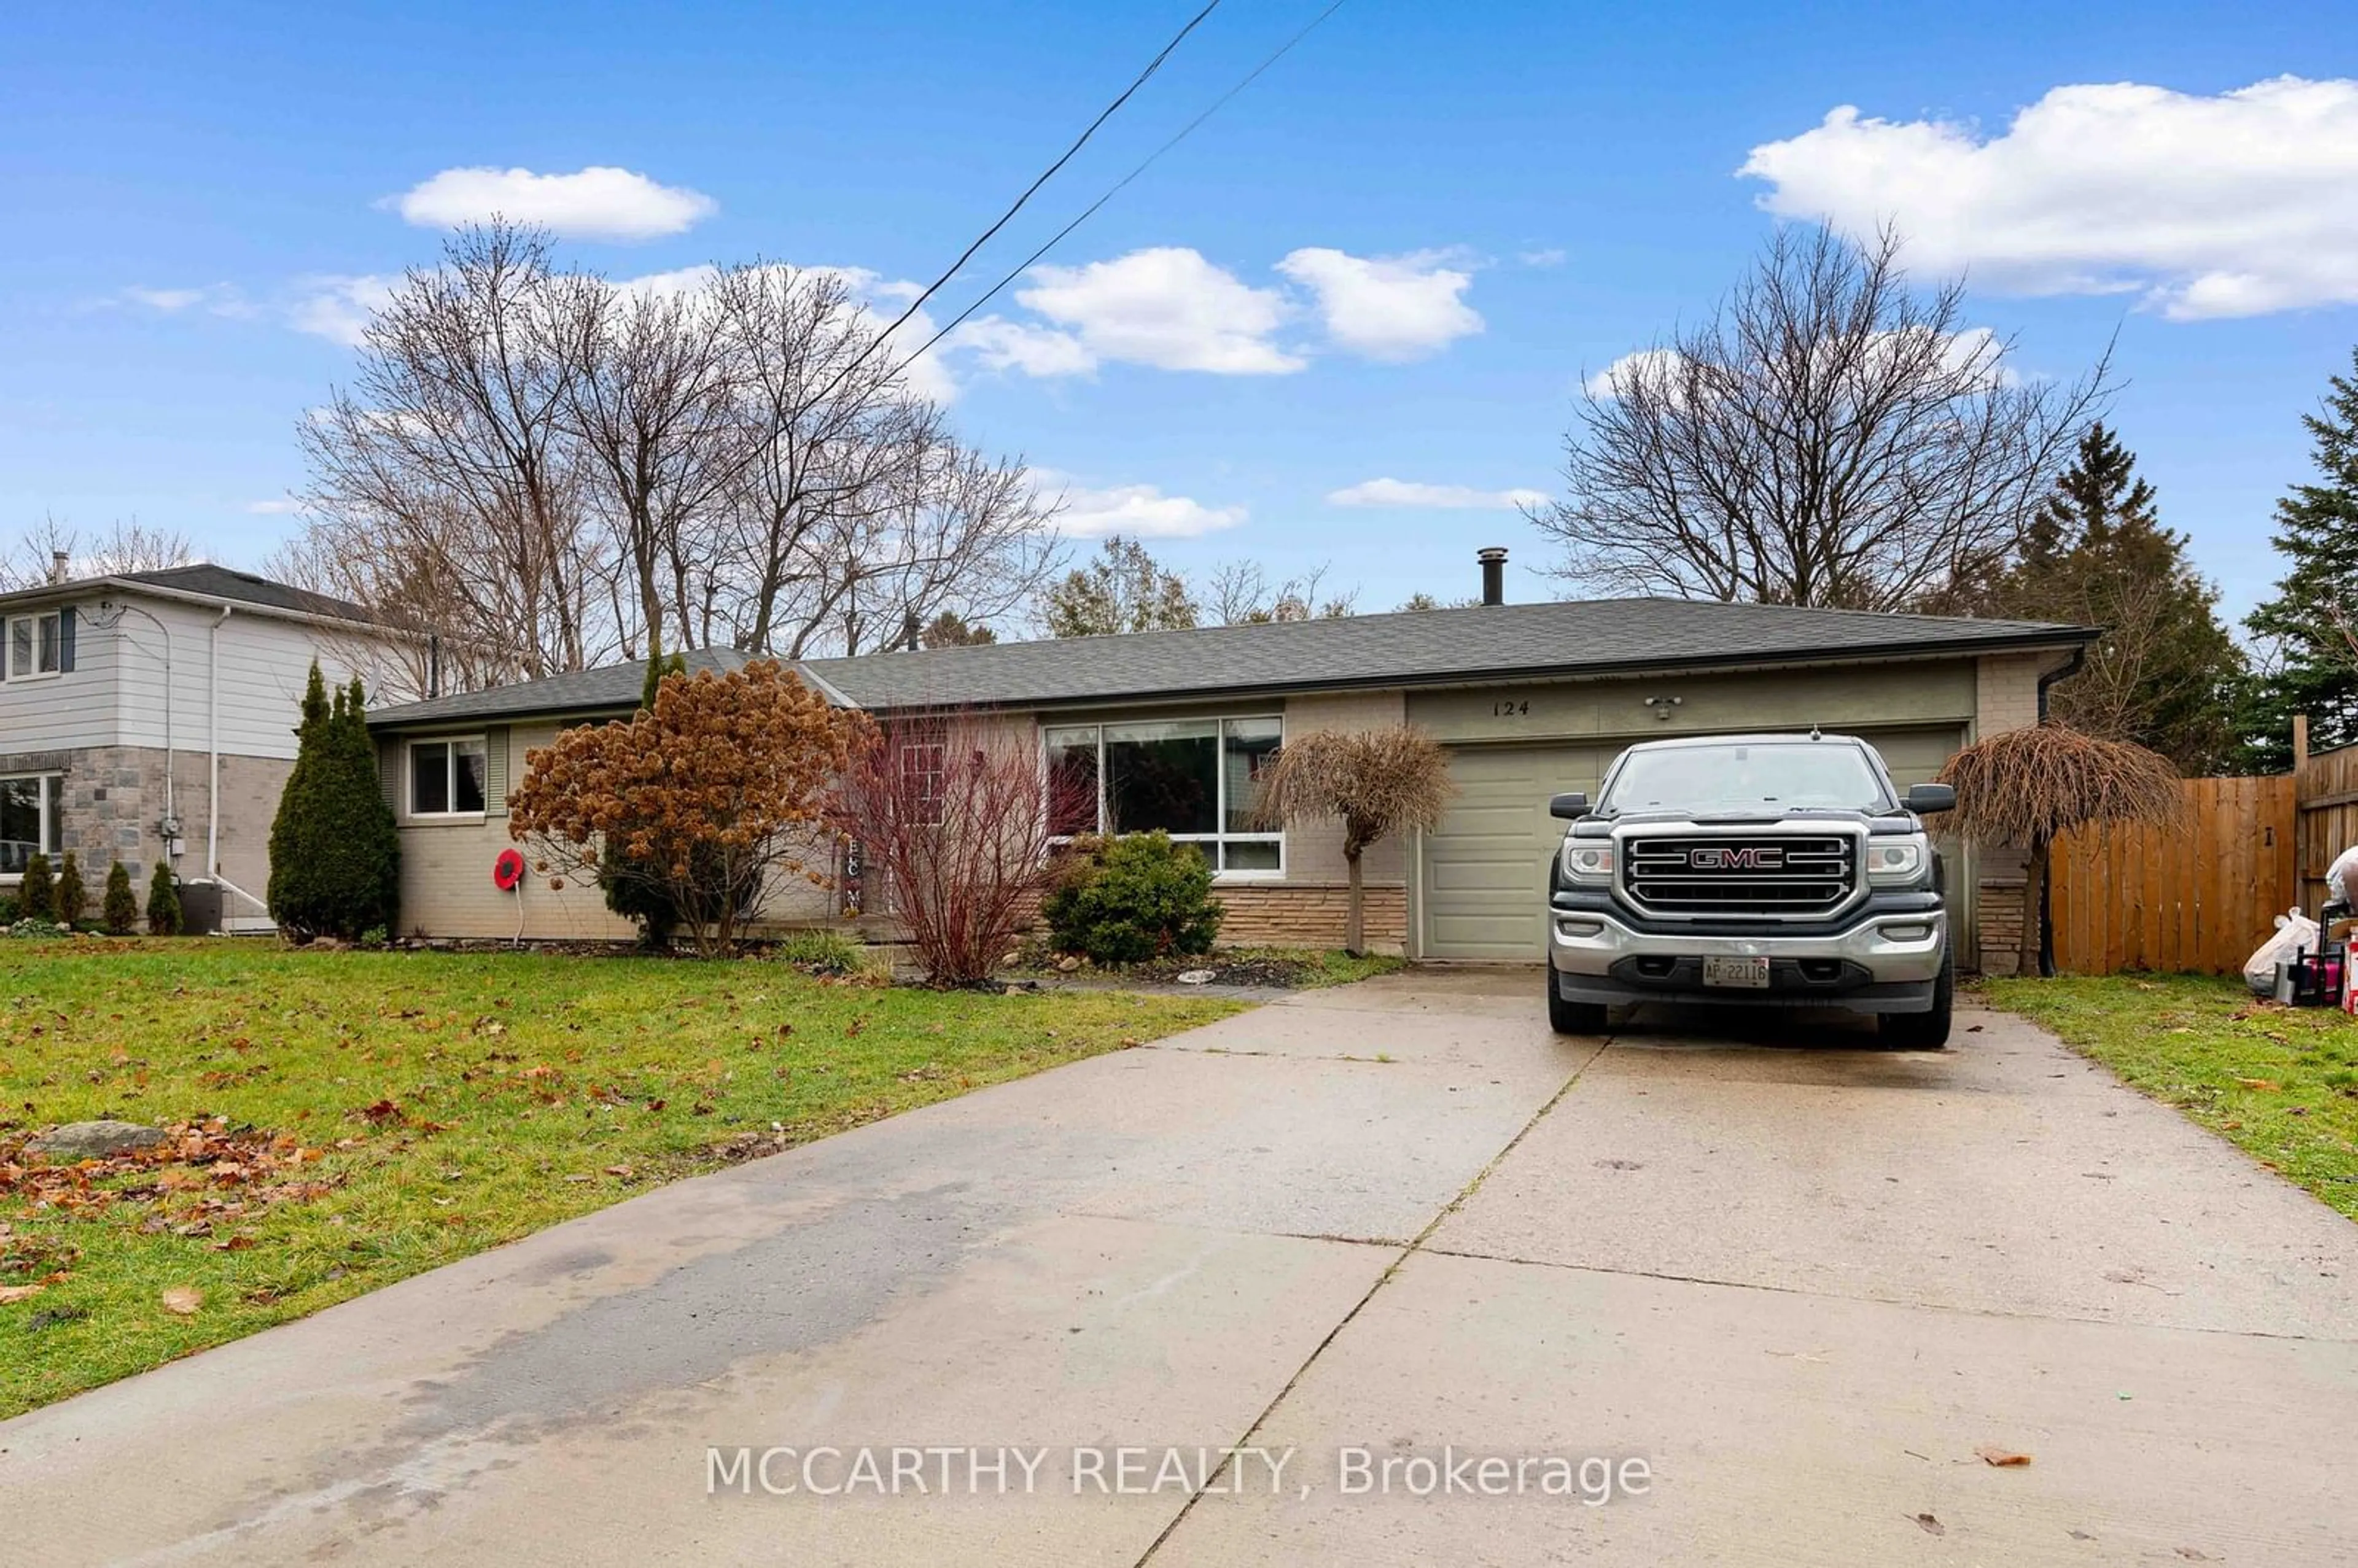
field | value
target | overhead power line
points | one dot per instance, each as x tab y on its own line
1090	211
1046	174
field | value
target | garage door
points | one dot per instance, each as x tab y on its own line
1484	873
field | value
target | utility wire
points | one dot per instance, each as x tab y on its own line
1115	189
1078	141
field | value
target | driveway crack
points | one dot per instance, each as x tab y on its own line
1416	1245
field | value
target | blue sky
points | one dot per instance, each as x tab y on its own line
1481	203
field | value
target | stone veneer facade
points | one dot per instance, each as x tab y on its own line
114	809
1311	915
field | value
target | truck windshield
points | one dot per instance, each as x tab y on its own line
1780	774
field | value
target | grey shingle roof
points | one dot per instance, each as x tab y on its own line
217	582
222	582
1432	647
1412	648
610	689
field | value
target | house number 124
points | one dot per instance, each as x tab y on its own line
1512	707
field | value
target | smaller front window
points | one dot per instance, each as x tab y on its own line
446	777
36	645
31	805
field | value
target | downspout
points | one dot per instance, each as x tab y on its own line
212	747
2064	671
171	813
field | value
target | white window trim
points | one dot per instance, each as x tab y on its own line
1220	802
52	831
451	773
8	645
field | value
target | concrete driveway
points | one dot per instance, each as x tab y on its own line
1803	1282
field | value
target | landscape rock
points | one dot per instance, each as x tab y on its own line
1068	963
1197	977
94	1140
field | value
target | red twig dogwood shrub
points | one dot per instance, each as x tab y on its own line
953	815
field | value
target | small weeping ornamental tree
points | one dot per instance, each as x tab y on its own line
1378	781
2026	787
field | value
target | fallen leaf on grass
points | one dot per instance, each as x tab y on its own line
10	1295
2259	1083
182	1301
2003	1458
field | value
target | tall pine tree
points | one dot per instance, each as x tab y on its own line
2165	673
2310	629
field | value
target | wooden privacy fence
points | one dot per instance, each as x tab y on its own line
2196	898
2327	823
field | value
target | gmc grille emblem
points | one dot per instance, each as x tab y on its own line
1745	858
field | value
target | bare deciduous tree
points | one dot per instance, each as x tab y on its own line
1828	436
1241	594
123	547
545	471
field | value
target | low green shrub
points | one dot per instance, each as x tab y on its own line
119	910
163	902
72	899
37	895
1127	900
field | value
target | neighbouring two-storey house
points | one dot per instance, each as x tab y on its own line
151	715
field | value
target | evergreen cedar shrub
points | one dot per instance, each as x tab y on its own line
1127	900
72	899
163	902
335	855
37	895
119	911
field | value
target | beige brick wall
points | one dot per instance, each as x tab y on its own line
2006	690
1294	914
1314	850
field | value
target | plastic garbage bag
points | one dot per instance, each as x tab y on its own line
2294	932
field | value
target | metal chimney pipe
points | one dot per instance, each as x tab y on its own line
59	563
1494	573
913	630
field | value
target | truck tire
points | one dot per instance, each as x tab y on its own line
1924	1031
1572	1017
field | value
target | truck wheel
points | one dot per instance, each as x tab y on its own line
1924	1031
1572	1017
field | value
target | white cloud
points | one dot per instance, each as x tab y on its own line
1395	308
281	507
214	298
1003	344
1553	255
1646	364
1167	308
2228	205
338	308
1438	497
595	203
1133	511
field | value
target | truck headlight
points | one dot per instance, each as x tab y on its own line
1892	861
1588	860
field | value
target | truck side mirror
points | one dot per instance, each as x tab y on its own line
1568	807
1924	799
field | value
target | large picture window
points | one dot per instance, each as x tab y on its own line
1198	780
30	808
446	777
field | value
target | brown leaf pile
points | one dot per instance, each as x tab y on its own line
202	1172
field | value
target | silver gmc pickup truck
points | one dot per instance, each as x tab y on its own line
1761	870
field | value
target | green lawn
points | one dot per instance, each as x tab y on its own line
351	1118
2280	1081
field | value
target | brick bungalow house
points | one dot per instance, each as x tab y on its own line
1528	698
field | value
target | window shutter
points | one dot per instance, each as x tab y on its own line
496	770
389	754
66	638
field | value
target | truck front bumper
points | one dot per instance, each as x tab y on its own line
1885	962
